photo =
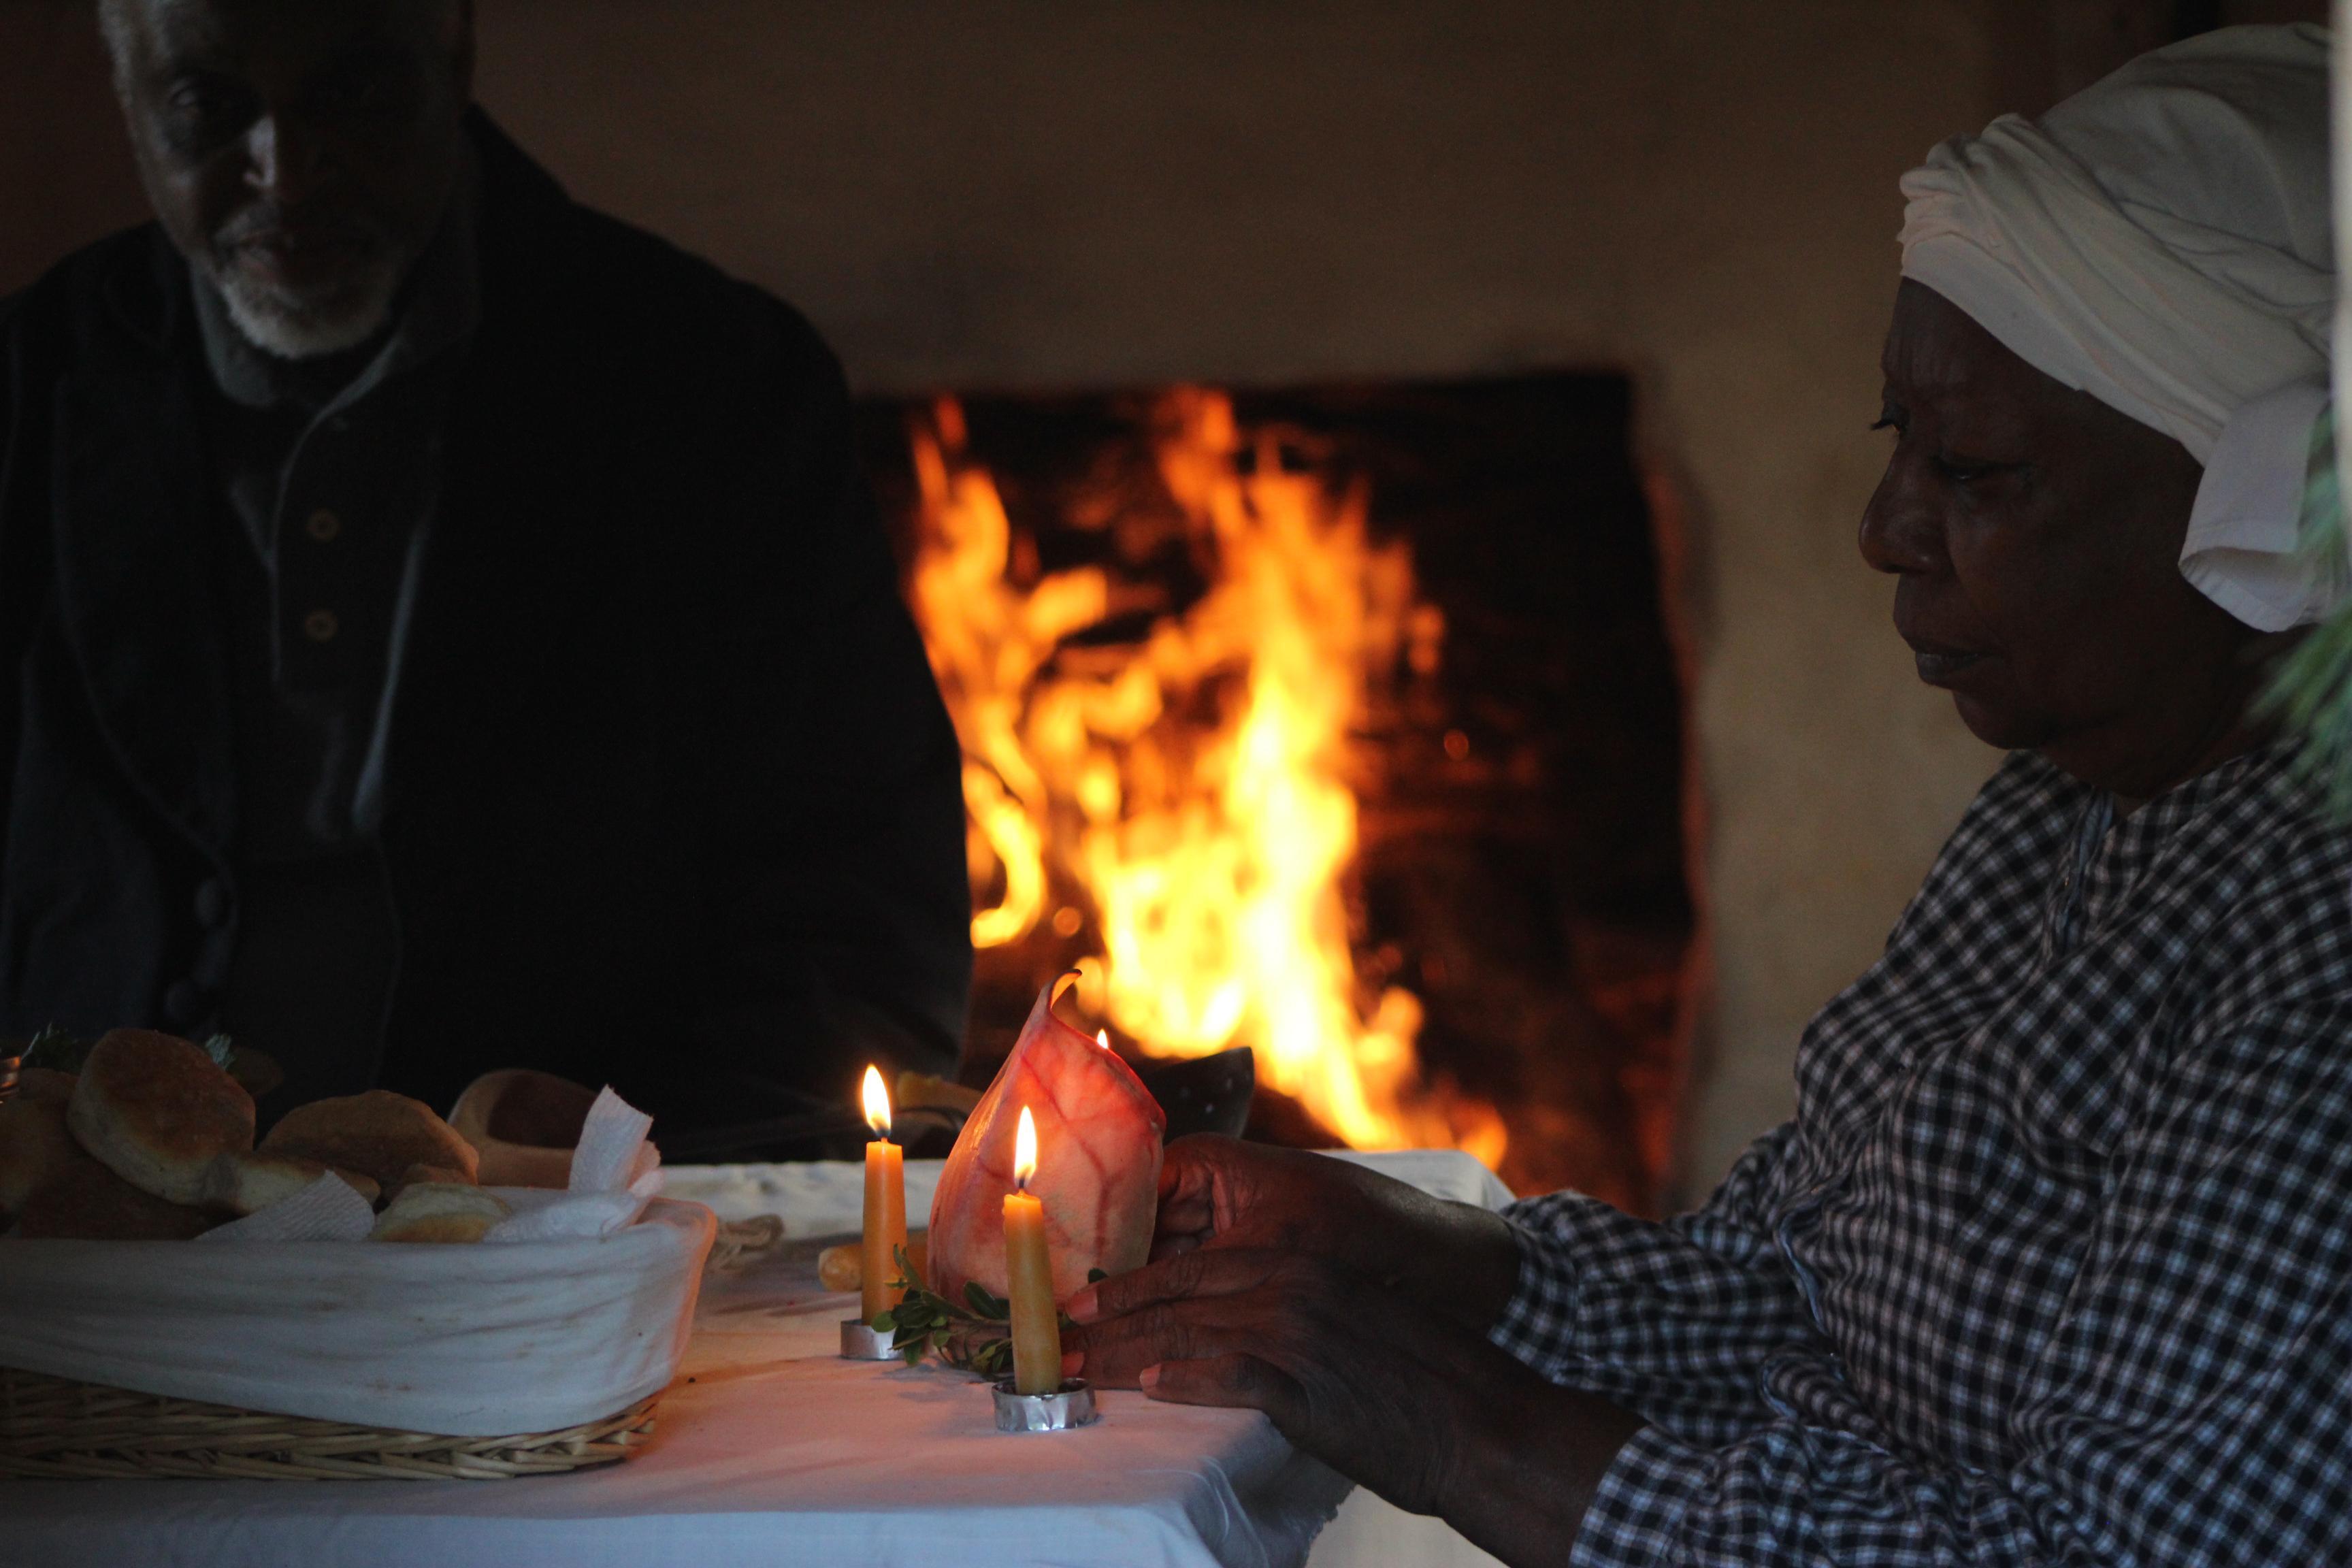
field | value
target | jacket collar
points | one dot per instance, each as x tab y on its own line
523	497
146	302
133	595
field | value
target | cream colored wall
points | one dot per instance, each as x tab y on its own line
1050	193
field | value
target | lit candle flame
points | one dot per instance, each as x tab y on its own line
1102	1039
1025	1150
877	1104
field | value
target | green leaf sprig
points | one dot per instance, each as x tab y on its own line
974	1335
57	1051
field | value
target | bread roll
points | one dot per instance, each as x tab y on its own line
439	1211
87	1202
35	1149
379	1134
157	1112
843	1268
243	1184
425	1175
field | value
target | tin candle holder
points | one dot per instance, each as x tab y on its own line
1070	1405
861	1341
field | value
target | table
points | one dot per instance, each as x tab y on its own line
769	1450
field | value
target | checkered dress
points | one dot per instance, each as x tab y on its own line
2054	1264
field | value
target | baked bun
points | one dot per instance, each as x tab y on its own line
87	1202
379	1134
35	1149
157	1112
426	1176
439	1211
244	1184
843	1268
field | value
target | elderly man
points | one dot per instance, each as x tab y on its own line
441	629
2052	1266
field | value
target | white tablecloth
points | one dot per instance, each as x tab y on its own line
769	1450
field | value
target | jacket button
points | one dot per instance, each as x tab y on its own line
186	1002
212	903
323	525
319	625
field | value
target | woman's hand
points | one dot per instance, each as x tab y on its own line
1454	1261
1408	1403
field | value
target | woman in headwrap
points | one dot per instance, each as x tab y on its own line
2054	1263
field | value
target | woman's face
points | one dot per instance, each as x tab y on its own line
2036	535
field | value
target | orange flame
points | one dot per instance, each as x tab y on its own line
1213	850
877	1103
1025	1150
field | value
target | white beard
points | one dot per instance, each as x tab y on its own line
325	322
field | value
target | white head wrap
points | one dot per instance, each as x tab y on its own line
2161	240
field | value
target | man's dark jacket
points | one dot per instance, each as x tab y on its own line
671	800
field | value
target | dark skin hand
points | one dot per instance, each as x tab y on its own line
1352	1309
1452	1260
2036	535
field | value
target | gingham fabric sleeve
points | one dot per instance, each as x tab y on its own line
1671	1320
2192	1403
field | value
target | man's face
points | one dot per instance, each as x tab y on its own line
2036	534
298	152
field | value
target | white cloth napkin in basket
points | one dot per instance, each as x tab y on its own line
615	1172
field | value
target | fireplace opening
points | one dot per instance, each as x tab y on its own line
1339	722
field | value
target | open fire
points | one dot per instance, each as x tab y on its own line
1170	778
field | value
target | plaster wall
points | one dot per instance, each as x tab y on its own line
1055	194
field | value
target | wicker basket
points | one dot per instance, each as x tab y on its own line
57	1430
